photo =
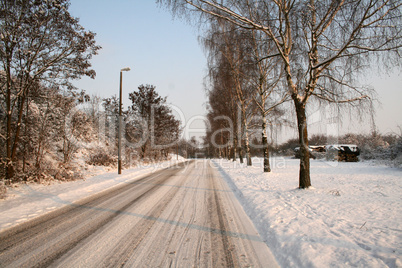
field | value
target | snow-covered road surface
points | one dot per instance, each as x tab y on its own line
183	216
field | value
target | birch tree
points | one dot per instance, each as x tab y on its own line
324	46
228	48
221	110
267	79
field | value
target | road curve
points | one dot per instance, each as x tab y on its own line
183	216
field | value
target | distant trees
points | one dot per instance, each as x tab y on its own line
226	94
41	45
150	130
386	148
159	129
322	47
111	113
191	148
248	87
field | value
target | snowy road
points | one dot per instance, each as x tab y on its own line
183	216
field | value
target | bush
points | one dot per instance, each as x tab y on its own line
102	158
49	170
391	154
67	172
3	190
383	148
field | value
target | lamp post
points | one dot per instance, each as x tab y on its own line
120	123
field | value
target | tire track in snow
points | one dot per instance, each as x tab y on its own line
19	245
170	218
219	221
126	247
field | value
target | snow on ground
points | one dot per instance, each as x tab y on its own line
28	201
351	218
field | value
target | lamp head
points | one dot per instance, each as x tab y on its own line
125	69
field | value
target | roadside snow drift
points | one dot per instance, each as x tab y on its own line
28	201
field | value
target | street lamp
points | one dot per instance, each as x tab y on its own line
120	123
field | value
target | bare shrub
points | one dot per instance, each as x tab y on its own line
67	172
3	190
102	158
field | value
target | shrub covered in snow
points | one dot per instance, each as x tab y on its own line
3	190
102	158
390	154
67	172
386	149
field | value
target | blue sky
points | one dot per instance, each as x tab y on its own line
159	50
166	53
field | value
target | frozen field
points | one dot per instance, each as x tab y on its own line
352	217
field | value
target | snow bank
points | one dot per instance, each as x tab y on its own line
28	201
352	216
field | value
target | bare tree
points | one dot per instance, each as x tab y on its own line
221	108
74	125
238	53
228	50
324	46
267	79
39	42
52	127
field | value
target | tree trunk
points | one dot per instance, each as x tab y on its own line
265	149
12	145
247	144
240	153
304	175
143	149
66	149
234	150
246	138
9	163
248	155
18	128
26	135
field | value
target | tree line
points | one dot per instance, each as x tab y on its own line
263	53
46	121
41	45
